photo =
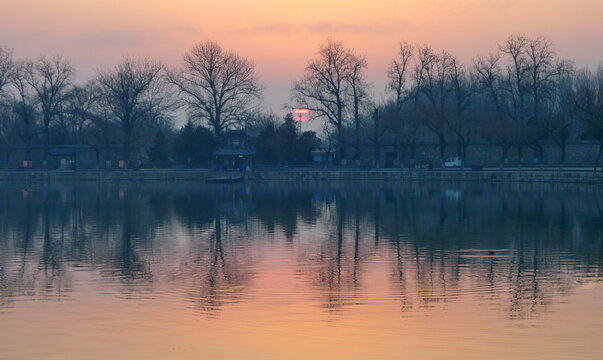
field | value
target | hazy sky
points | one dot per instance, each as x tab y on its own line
280	36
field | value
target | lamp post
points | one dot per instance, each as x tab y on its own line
300	115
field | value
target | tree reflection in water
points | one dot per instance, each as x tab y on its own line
206	241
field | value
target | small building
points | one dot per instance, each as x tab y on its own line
62	159
234	152
321	158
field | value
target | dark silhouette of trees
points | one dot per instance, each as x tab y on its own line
559	119
50	79
277	144
6	66
160	150
23	106
217	86
194	144
588	102
358	92
79	112
398	88
491	108
435	93
521	97
325	86
128	95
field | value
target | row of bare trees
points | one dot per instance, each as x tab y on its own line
519	96
126	104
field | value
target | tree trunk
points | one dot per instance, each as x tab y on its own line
598	155
562	160
340	144
97	154
442	147
127	139
465	146
46	126
505	154
357	144
413	145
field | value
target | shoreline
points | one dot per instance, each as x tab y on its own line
314	175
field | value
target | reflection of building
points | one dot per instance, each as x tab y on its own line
234	152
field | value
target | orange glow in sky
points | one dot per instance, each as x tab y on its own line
280	36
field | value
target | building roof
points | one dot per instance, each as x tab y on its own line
234	152
62	152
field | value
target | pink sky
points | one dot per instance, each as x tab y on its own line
280	36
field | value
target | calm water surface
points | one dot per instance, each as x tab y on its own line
269	271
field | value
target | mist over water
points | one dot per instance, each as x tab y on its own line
300	271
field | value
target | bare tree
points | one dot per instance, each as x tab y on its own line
324	87
491	105
6	66
358	92
9	128
125	89
218	86
559	119
400	91
424	62
376	126
435	94
588	102
461	123
515	48
78	112
329	140
102	130
544	71
50	78
23	105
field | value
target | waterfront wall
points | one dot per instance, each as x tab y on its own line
579	153
314	175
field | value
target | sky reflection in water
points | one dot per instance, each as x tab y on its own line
291	271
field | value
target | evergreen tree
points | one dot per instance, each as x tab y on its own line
159	153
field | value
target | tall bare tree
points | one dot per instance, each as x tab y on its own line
435	94
490	107
461	122
399	90
50	78
324	87
422	65
79	112
588	102
24	105
376	126
358	92
218	86
126	89
515	49
544	70
559	120
6	66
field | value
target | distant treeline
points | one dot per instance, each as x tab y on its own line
518	97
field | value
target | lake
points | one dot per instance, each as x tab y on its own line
275	270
